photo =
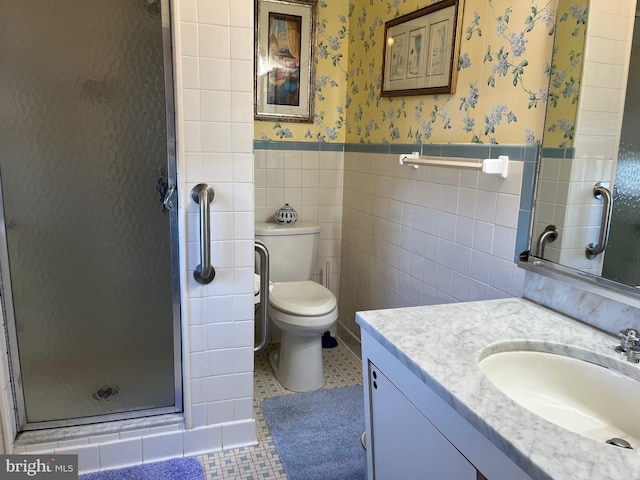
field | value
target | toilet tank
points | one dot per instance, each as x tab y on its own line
292	249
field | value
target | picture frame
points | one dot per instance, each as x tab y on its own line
285	60
420	55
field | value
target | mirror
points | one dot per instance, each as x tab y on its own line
592	142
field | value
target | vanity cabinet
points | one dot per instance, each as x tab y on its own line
404	443
412	433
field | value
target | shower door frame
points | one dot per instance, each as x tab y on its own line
6	295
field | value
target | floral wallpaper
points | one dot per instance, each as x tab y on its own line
502	85
566	70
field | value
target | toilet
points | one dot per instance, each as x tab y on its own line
301	308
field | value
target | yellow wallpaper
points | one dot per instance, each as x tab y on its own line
566	71
501	88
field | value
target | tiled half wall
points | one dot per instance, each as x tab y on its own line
398	236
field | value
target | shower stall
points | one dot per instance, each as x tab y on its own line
88	218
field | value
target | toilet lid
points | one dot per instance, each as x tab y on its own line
302	298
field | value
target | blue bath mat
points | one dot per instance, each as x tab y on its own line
186	468
317	434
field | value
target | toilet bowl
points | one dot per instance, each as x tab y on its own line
302	309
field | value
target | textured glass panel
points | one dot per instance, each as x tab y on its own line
622	257
82	146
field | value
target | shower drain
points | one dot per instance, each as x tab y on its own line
105	393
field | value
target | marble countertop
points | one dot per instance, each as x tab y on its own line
442	344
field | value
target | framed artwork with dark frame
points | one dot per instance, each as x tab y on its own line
421	48
285	62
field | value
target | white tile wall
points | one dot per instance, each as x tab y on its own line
215	100
88	457
161	447
432	235
144	445
213	47
200	440
121	454
311	182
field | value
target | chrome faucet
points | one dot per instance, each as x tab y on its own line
629	345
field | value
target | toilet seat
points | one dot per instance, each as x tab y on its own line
303	310
303	298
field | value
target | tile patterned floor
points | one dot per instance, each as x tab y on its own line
341	368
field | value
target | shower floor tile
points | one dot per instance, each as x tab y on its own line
341	369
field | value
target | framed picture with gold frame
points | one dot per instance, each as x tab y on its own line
421	48
285	62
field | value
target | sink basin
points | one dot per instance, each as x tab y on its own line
579	396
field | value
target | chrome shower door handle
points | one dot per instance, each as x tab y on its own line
167	202
593	250
203	195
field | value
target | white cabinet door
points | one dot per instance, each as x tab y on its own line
405	444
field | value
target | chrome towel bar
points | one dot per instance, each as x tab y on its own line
203	195
496	166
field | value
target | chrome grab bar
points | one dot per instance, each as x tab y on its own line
593	250
263	253
203	195
549	235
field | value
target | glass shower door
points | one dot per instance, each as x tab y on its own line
86	160
622	257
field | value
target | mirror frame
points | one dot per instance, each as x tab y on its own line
585	281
